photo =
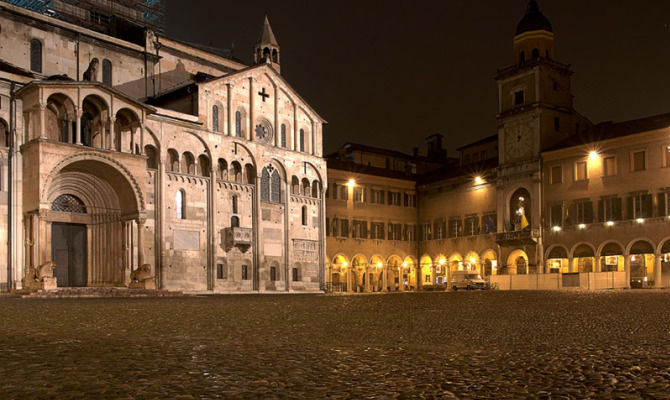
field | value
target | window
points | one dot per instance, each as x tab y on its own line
427	279
440	229
342	192
238	124
376	196
556	174
556	215
234	221
471	226
639	205
344	228
410	233
220	272
489	223
394	198
301	143
304	215
638	161
609	209
580	171
395	232
275	187
377	230
583	212
359	230
273	273
295	275
234	201
663	203
36	55
215	118
358	194
666	156
557	124
455	227
426	233
410	200
107	72
609	166
265	185
282	138
518	97
245	272
180	204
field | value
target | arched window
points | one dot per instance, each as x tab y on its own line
304	215
520	209
234	201
315	189
275	187
305	187
223	169
68	203
273	273
86	128
4	134
107	72
215	118
282	136
238	124
266	53
295	185
180	204
174	160
301	145
36	55
265	185
250	174
237	172
234	221
150	152
203	165
275	56
187	163
296	274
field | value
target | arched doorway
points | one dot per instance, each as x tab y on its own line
339	269
520	209
377	274
641	264
93	224
490	263
393	270
583	259
426	265
557	260
409	273
517	263
611	258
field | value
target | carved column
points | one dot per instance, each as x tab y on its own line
79	113
112	134
140	242
657	271
43	116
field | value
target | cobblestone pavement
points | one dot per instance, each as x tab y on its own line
412	345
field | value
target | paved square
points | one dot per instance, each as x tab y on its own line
466	344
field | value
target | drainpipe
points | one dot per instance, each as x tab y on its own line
10	174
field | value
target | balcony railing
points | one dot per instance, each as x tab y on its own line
238	236
518	238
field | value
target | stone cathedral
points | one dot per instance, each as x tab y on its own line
137	160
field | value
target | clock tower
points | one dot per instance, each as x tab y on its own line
535	111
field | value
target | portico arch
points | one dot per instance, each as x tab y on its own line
112	223
394	273
583	255
517	262
410	273
610	255
489	263
642	262
557	259
426	267
377	276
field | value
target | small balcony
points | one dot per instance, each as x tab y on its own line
518	238
238	236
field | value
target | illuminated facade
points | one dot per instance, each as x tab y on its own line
551	201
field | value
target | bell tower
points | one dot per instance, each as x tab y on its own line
266	49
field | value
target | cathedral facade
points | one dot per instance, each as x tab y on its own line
139	160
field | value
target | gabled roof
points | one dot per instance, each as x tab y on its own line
275	74
267	36
610	130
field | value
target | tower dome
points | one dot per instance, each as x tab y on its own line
534	20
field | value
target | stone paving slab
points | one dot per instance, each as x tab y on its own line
490	345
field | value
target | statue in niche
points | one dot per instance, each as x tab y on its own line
91	73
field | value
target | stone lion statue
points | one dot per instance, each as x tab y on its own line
141	274
45	270
91	73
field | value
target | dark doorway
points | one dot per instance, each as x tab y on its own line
68	251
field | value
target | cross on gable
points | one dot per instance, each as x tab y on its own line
263	94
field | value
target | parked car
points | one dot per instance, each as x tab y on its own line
468	280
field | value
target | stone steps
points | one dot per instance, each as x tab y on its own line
100	292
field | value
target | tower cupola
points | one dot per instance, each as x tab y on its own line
534	38
266	49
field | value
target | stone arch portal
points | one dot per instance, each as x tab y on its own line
98	243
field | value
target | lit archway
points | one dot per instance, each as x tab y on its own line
517	262
557	259
426	266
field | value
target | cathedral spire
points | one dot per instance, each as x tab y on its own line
266	49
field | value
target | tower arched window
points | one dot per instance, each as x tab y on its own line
304	215
36	55
234	221
215	118
238	124
265	185
301	144
107	72
234	204
282	136
180	204
275	56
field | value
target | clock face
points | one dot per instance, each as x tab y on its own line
518	142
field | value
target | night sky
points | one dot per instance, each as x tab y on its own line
390	73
